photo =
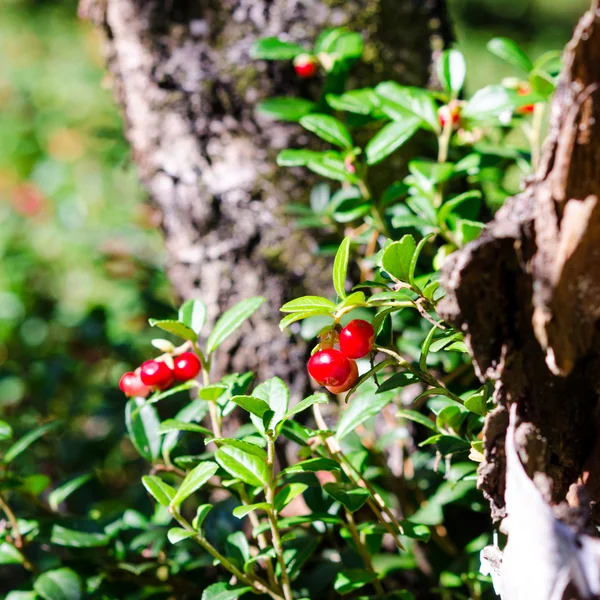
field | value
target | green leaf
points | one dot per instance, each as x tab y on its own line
287	494
176	425
9	555
297	158
350	496
390	138
469	230
308	304
277	395
312	465
193	481
182	387
237	548
415	257
293	317
143	426
71	538
201	514
400	102
361	102
5	431
318	398
451	71
60	584
493	100
364	406
224	591
231	320
249	468
254	406
340	267
162	492
331	165
396	381
194	411
446	210
509	50
329	129
366	376
193	315
348	46
23	443
477	403
348	580
417	417
286	109
176	328
397	257
22	596
272	48
61	493
243	445
241	511
178	534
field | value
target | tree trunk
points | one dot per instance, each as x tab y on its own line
527	295
188	88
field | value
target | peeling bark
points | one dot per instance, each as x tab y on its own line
527	292
188	88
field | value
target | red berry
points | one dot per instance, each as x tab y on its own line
131	385
158	374
329	367
349	383
306	66
449	112
357	339
524	89
186	366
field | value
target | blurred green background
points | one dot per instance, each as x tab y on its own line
81	256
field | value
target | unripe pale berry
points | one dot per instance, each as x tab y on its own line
186	366
157	374
349	383
132	385
357	339
306	66
449	113
329	367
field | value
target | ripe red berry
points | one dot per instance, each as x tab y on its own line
329	367
186	366
306	66
524	89
158	374
349	383
131	385
357	339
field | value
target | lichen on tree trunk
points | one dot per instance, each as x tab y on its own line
527	292
188	88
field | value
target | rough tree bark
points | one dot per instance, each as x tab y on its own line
527	294
188	88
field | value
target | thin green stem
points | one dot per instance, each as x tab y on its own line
270	496
12	519
257	583
213	407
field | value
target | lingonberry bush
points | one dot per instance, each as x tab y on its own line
366	489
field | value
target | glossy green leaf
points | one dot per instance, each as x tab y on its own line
157	397
231	320
272	48
193	315
390	138
60	584
400	102
243	445
194	411
61	536
9	555
249	468
224	591
143	427
340	267
396	381
349	580
5	431
415	257
176	425
469	230
361	101
178	534
306	403
277	395
331	165
397	257
297	158
193	481
286	109
347	494
14	595
509	50
241	511
162	492
451	71
201	514
237	548
329	129
287	494
307	304
61	493
23	443
254	406
300	316
417	417
312	465
477	403
175	327
348	46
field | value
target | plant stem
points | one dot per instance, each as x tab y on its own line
363	551
213	407
253	581
14	525
270	496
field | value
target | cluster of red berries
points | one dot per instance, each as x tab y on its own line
159	375
336	369
306	66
